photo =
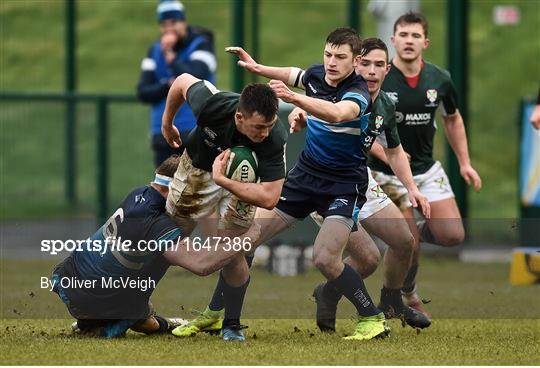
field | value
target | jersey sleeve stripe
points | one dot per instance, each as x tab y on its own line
298	82
170	235
206	57
359	98
148	64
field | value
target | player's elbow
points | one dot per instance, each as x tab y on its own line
269	202
342	114
203	269
338	117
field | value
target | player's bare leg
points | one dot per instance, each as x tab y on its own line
445	223
344	280
363	257
444	228
388	225
363	254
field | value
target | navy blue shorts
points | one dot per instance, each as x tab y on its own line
304	193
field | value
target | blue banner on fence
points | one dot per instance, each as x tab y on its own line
529	171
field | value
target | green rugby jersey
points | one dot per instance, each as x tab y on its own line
415	113
216	131
381	124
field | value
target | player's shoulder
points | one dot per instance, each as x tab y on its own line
355	85
207	99
436	71
385	101
315	69
142	202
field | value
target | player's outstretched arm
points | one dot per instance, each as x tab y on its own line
398	161
455	132
325	110
176	97
205	259
292	76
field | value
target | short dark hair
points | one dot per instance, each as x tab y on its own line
169	166
410	18
373	43
345	36
259	98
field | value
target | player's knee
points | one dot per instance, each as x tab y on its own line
451	239
371	263
406	244
325	263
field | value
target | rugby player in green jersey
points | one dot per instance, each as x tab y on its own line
419	88
200	186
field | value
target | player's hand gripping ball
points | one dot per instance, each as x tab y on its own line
242	165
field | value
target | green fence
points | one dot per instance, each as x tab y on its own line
109	146
107	142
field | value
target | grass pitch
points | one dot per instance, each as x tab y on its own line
281	342
478	319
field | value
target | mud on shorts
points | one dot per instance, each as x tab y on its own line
376	200
434	184
193	195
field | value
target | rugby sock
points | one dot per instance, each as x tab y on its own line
233	300
350	284
163	325
331	293
410	280
392	297
217	304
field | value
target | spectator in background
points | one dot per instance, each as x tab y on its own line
182	48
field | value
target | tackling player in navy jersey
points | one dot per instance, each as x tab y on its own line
142	242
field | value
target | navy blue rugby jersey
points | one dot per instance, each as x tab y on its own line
140	220
334	151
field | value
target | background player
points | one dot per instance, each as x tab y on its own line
418	89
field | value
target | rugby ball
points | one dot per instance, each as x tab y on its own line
242	165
